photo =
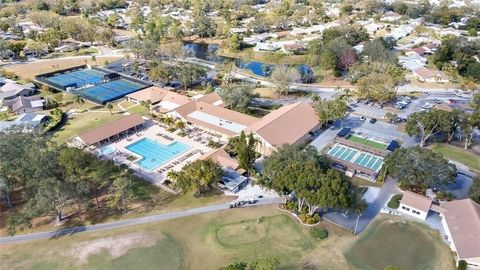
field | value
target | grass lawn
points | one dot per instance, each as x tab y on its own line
206	241
401	243
458	154
83	122
269	58
367	142
138	109
357	181
29	70
118	249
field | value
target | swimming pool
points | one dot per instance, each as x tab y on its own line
107	150
154	153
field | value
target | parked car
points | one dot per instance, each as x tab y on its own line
438	101
427	105
379	105
363	118
373	121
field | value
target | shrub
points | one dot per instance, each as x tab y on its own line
319	233
214	144
291	205
445	196
462	265
394	202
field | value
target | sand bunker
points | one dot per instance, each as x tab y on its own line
115	246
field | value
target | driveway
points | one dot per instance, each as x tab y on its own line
376	198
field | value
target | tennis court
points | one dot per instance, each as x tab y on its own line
365	141
106	92
77	78
352	155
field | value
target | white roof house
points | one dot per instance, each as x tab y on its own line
27	122
412	65
269	47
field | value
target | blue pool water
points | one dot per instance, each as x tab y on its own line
107	150
155	154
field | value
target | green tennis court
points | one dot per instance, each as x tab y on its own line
367	142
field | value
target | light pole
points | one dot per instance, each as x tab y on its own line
356	225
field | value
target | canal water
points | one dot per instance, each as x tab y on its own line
209	52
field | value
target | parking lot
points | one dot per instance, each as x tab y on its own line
380	130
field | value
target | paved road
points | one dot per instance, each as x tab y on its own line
123	223
375	198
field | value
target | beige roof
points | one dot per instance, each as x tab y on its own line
106	131
286	125
221	157
212	98
424	73
463	220
416	201
234	117
156	94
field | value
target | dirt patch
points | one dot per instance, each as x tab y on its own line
115	246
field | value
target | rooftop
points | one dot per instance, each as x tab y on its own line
286	125
416	201
108	130
463	220
212	98
217	118
221	157
152	93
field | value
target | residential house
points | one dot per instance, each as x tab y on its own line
294	48
267	47
391	16
238	30
427	75
23	104
10	90
27	122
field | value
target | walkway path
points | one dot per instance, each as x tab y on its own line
123	223
375	199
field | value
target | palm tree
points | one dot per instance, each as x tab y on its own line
109	107
78	100
172	175
180	125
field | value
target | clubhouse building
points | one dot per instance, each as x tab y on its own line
295	123
110	132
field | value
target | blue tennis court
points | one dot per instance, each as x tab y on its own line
110	91
354	156
77	78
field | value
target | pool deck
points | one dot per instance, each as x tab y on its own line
121	154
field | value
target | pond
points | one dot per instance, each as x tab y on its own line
209	52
